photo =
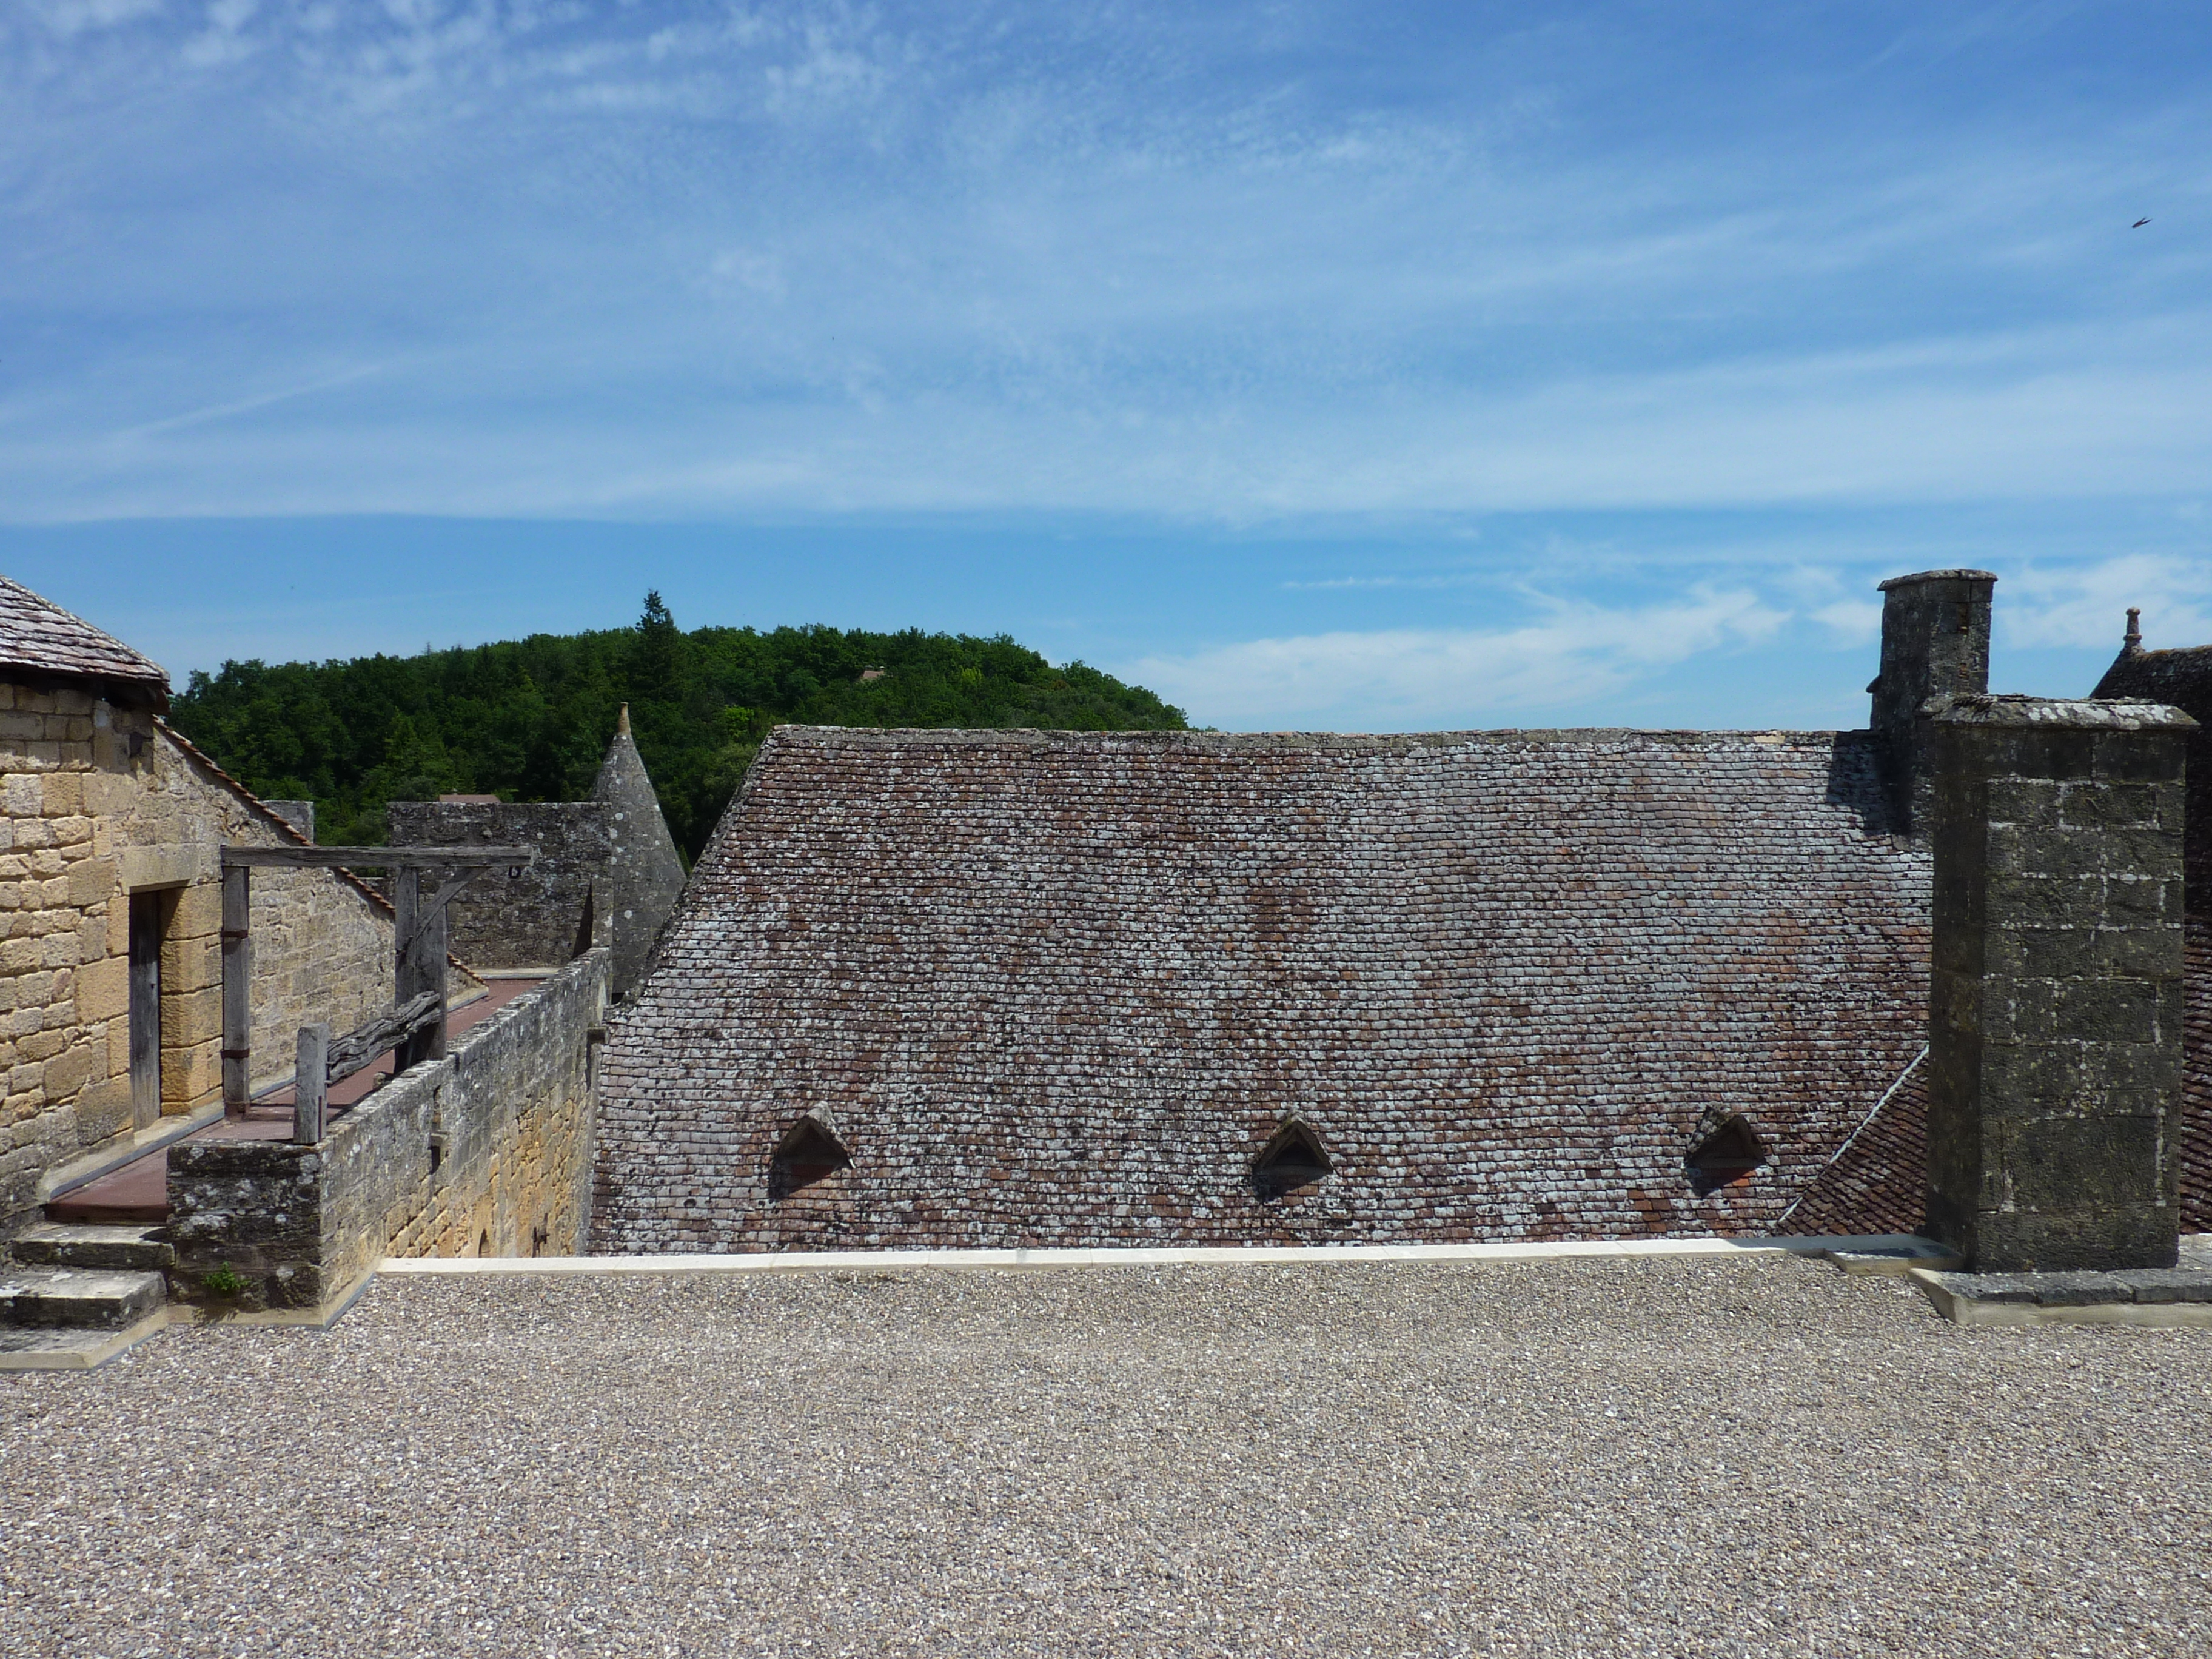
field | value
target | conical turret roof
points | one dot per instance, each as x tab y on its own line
646	873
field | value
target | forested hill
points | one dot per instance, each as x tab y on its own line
529	720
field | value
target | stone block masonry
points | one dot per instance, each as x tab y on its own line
645	874
486	1152
103	802
2056	999
1934	647
540	916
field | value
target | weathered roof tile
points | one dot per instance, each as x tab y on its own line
1064	987
38	634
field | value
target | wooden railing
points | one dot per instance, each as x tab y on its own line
323	1061
416	1026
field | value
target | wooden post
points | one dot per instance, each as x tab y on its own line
406	923
433	947
311	1085
420	936
237	990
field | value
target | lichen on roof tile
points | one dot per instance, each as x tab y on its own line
1060	988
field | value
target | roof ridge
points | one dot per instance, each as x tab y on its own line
1029	736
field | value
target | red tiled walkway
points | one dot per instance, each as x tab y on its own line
138	1193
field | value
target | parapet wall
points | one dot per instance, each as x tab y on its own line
486	1152
533	915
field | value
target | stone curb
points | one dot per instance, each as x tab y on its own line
1974	1310
1899	1247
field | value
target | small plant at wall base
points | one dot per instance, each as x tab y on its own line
223	1282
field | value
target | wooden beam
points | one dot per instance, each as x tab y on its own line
446	889
237	990
374	858
311	1088
361	1046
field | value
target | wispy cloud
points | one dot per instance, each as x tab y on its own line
1412	679
687	259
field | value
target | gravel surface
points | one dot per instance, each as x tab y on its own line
1669	1458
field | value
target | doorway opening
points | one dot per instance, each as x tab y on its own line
149	917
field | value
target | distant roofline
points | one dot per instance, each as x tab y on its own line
868	737
2142	652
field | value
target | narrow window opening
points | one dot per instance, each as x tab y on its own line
808	1154
1728	1157
1291	1160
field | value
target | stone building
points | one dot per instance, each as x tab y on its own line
1021	988
109	884
607	871
127	1181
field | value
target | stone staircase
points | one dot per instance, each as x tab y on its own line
76	1293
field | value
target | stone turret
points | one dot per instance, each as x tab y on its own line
645	874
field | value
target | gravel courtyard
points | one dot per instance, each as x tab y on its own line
1667	1457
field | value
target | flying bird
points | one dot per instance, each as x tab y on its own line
2138	224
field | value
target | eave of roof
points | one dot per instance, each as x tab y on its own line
38	635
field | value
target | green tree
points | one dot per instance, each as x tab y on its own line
529	718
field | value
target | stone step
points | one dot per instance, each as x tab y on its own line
90	1298
93	1244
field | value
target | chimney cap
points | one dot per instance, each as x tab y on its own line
1936	576
2077	714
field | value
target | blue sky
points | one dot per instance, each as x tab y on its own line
1337	366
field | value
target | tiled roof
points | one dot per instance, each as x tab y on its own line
38	633
2194	1147
1878	1182
1063	987
2183	678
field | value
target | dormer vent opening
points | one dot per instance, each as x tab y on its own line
1728	1157
1291	1159
810	1152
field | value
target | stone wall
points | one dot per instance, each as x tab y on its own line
486	1152
539	915
102	801
2183	680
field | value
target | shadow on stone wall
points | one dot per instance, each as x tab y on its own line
486	1152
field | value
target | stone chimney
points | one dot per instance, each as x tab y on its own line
300	814
2055	1017
1935	644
